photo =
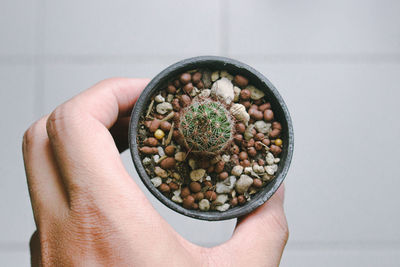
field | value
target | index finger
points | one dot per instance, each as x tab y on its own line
82	144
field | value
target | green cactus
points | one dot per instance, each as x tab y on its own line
206	126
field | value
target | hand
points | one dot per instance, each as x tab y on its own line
89	211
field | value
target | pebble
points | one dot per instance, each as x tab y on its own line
146	161
237	170
156	158
170	97
269	158
160	172
262	126
226	74
271	169
236	93
243	184
256	94
248	134
214	76
226	186
207	79
163	108
258	169
222	198
241	81
266	177
159	99
156	181
205	93
277	160
180	156
204	205
223	89
168	163
192	164
160	151
196	175
195	91
240	113
226	158
223	207
177	199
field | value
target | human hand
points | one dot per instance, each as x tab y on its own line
89	211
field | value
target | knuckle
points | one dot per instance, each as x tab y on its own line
60	120
33	132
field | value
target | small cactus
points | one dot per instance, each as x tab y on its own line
206	126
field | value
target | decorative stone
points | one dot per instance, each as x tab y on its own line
160	172
205	93
163	108
146	161
243	184
240	113
256	94
271	169
160	151
180	156
258	169
159	99
156	181
237	170
225	186
226	158
221	199
248	133
177	199
262	126
204	205
196	175
236	93
192	164
214	76
223	207
223	89
269	158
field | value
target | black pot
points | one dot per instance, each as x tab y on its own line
234	67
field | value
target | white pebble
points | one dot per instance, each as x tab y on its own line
195	91
262	126
196	175
192	164
160	151
266	177
258	169
170	97
240	113
243	184
256	94
215	76
237	170
270	158
146	161
204	205
226	74
225	186
222	208
163	108
159	99
177	199
156	181
226	158
236	93
271	169
221	199
208	178
277	160
180	156
248	132
156	158
160	172
223	89
205	93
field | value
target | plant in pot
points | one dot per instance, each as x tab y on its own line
211	138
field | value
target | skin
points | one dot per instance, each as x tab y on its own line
88	210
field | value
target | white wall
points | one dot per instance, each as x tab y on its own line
336	63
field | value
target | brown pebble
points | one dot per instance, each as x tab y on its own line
164	188
188	88
234	202
195	206
177	136
254	106
246	104
195	187
245	163
176	83
148	150
185	100
188	202
169	150
274	133
196	77
253	131
200	85
199	196
240	127
165	126
185	78
268	115
240	81
245	94
257	182
243	155
276	125
250	142
261	162
147	124
276	150
259	136
258	145
151	141
175	104
168	163
251	151
235	159
265	106
154	125
210	195
159	116
256	114
185	192
219	167
266	141
223	175
207	183
241	199
258	102
173	186
235	149
171	89
238	138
